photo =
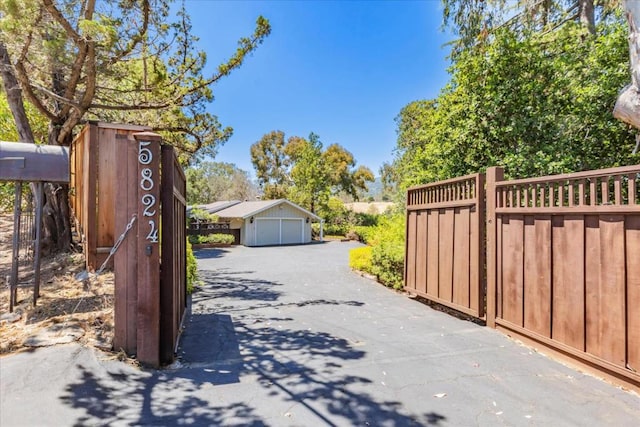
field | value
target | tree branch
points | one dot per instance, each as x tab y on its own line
55	13
14	96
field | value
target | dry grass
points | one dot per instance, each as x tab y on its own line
64	302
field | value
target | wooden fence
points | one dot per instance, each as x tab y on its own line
566	270
122	179
95	178
562	269
444	245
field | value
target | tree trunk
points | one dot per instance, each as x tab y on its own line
587	15
627	106
56	214
14	96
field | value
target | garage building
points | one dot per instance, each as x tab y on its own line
269	222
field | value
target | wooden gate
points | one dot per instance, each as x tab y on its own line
444	245
563	266
173	280
122	179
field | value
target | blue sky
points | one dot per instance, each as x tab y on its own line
341	69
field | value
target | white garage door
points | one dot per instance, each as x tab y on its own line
291	231
267	232
277	231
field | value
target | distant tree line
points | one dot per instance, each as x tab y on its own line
306	173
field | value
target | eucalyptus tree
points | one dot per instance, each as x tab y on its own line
627	106
129	61
271	164
302	170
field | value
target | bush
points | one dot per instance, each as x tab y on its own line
192	268
218	238
335	229
365	233
360	259
384	257
387	254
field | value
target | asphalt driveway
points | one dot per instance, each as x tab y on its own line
289	336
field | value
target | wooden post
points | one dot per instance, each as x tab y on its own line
125	260
494	174
148	333
481	242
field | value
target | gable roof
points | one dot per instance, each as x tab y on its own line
216	206
245	210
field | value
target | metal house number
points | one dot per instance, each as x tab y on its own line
145	156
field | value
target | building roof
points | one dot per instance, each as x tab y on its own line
245	210
215	207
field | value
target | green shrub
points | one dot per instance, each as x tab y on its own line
212	238
335	229
192	268
387	254
360	259
226	239
365	233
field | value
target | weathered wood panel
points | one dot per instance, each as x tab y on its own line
513	269
445	266
126	257
421	253
568	281
461	257
433	256
410	260
632	240
612	290
537	274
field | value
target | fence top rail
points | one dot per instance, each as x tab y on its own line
444	182
572	176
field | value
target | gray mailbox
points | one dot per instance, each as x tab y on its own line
23	162
33	163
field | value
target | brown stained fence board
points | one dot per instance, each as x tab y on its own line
593	332
537	274
433	256
411	264
445	277
568	280
632	239
126	257
107	187
513	266
131	246
612	288
421	253
90	168
461	258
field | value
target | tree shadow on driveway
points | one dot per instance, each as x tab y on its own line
243	363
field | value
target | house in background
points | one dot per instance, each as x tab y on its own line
262	223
